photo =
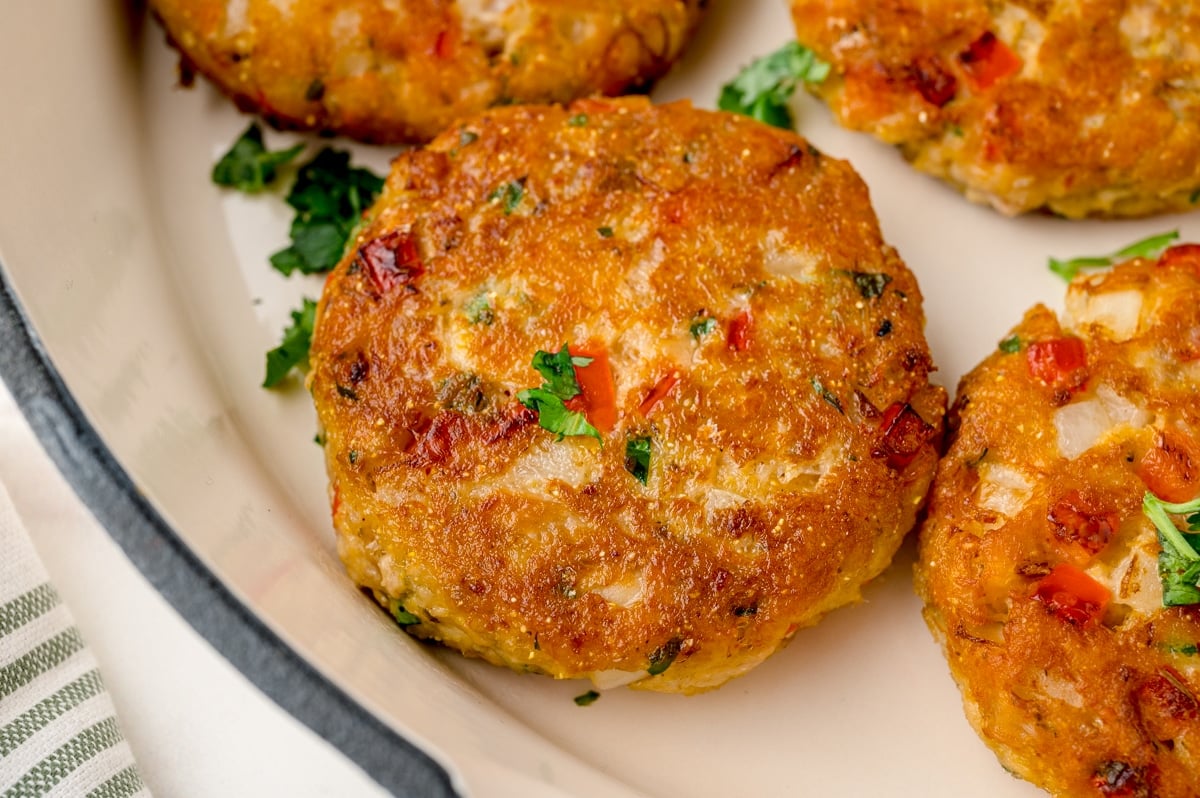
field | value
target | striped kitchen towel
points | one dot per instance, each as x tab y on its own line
58	730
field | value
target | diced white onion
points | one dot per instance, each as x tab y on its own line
606	680
1080	426
626	592
1118	312
1120	410
1003	489
569	462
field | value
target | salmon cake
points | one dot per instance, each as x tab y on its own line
622	391
1056	573
393	71
1078	108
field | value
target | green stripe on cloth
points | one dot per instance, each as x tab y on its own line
25	608
122	785
40	659
50	771
48	710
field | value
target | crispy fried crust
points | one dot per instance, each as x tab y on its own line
1097	112
401	71
1048	467
726	264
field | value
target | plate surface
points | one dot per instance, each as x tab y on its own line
151	291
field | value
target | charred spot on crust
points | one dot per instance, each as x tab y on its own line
1123	780
905	433
931	79
391	260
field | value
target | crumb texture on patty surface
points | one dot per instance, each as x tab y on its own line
747	325
1082	108
1038	568
389	71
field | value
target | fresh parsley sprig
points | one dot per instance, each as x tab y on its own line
249	166
293	351
763	88
558	371
1179	561
1150	247
329	196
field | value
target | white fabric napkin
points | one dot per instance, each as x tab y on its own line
59	734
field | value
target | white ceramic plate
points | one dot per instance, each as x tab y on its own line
151	291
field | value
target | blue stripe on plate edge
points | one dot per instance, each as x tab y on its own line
175	572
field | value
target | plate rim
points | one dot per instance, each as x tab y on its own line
180	577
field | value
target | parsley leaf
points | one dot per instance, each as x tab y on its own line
293	351
663	656
587	698
249	166
1178	562
763	88
870	284
479	310
404	617
827	395
701	326
637	458
329	197
558	369
511	194
1150	247
1010	344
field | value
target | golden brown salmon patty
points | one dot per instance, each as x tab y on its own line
1039	569
749	352
1083	108
402	70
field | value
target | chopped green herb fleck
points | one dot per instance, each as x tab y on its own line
347	393
480	311
637	458
870	284
353	456
558	370
510	194
701	326
1195	197
1150	247
827	395
763	88
404	617
1187	649
1010	344
466	137
319	439
1179	561
587	698
579	120
956	130
293	351
662	657
885	329
329	197
249	166
605	232
315	90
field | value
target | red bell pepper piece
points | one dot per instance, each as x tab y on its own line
1073	596
1059	362
987	61
597	389
660	391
